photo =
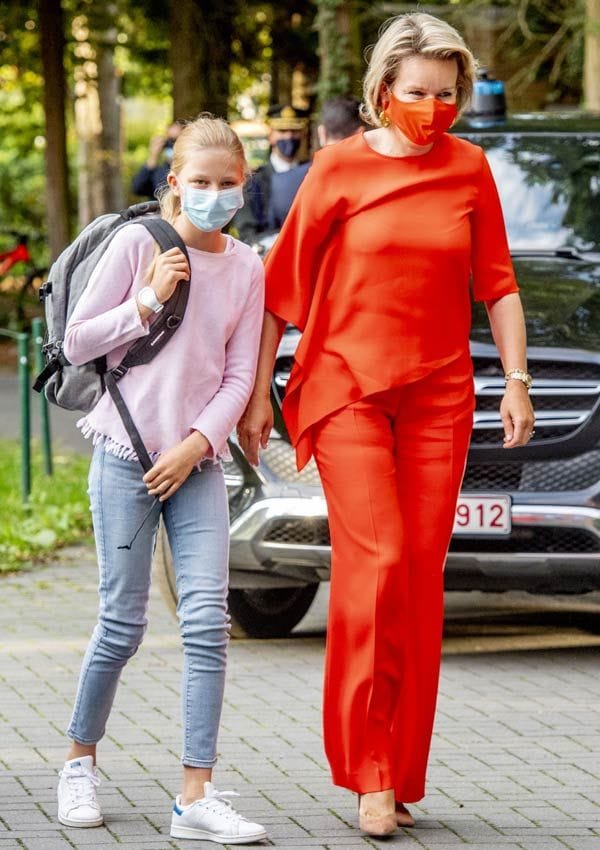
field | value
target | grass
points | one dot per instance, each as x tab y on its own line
57	513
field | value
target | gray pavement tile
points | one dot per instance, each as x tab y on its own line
513	759
453	846
89	838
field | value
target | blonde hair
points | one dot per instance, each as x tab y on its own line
206	131
414	34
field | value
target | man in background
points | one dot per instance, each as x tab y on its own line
274	185
154	172
339	118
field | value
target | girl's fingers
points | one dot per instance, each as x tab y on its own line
172	489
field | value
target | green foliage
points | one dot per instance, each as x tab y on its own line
542	41
143	54
57	514
338	79
22	182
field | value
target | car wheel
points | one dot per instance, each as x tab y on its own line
269	612
258	613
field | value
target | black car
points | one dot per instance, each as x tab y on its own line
528	518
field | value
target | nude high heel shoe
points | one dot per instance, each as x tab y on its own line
376	814
403	816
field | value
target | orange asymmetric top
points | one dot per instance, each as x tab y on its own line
373	265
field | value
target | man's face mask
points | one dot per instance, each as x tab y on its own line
288	147
208	209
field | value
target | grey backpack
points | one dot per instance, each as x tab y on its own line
80	387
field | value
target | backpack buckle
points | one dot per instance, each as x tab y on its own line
119	371
44	291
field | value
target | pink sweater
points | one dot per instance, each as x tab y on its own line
203	377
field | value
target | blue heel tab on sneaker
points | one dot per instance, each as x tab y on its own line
177	810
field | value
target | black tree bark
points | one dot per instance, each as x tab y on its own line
201	34
57	181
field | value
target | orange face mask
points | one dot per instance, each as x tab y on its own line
421	121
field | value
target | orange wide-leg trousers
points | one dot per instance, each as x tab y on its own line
391	466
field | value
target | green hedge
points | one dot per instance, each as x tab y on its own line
57	513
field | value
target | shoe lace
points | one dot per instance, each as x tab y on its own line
220	803
82	786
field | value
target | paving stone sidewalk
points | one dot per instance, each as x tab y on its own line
515	758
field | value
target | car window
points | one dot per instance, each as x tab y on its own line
549	186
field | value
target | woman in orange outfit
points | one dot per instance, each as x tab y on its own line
374	265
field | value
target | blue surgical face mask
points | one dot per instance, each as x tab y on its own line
208	209
288	147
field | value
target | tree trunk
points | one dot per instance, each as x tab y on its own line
97	114
57	179
109	95
338	44
201	34
591	65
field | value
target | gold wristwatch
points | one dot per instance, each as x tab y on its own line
519	375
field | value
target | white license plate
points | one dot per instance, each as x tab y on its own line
482	515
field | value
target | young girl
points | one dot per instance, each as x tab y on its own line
185	403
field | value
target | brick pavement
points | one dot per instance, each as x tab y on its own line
513	763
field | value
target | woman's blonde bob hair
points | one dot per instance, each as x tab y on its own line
205	131
414	34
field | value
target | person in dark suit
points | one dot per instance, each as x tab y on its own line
273	187
154	171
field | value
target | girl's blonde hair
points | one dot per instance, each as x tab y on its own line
206	131
414	34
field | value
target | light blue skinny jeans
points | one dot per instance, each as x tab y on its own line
197	523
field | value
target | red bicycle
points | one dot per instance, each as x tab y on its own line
19	253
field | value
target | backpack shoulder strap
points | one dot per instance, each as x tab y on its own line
169	319
161	331
164	234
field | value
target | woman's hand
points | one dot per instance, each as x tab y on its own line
517	415
255	426
174	466
169	269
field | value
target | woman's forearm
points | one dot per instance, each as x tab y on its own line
508	329
272	331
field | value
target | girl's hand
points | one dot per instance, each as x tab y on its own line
174	466
169	269
517	415
255	426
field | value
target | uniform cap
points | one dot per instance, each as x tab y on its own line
286	117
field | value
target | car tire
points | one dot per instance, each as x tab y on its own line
270	612
257	613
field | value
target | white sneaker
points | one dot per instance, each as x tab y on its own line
77	802
213	818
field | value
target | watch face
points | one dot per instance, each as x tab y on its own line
148	298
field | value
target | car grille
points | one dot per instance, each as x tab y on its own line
564	395
564	541
576	473
303	532
280	457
